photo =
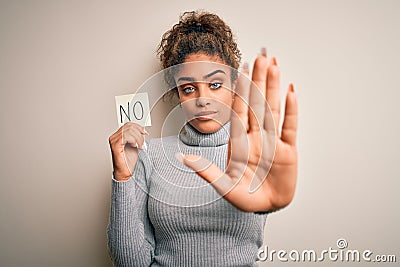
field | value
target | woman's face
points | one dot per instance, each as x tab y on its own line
205	92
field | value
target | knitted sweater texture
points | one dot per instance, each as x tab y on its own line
167	215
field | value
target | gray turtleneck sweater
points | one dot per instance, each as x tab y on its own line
167	215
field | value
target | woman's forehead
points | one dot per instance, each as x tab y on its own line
201	71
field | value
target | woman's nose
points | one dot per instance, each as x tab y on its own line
203	98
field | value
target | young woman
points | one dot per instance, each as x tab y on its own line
163	214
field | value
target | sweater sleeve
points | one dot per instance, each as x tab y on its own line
129	232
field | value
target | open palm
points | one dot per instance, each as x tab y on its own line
261	170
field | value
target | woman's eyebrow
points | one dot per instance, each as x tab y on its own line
213	73
191	79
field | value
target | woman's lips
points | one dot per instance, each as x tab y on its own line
205	115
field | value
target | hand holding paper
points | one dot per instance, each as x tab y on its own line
133	114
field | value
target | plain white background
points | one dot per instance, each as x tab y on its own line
62	63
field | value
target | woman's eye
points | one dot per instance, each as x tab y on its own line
188	90
215	85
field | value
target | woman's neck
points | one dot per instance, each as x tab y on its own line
192	137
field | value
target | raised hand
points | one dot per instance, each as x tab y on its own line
256	179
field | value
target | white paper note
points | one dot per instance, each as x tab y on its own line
134	108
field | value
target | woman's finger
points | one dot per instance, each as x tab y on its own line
133	138
289	127
257	93
132	125
239	114
273	97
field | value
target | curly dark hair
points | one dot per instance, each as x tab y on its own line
198	31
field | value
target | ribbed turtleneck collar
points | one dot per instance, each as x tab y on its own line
190	136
